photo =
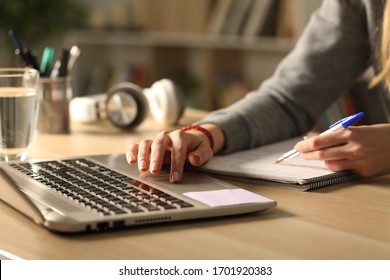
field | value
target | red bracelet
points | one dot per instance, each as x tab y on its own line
201	129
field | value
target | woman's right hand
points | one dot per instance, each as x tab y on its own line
364	149
174	148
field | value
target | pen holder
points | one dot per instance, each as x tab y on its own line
54	97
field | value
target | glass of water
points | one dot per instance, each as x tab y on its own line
18	111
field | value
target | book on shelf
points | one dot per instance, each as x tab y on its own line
279	18
249	18
288	18
218	16
294	15
236	16
271	21
258	164
256	17
177	16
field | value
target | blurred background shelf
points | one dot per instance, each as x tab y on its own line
216	50
200	63
134	38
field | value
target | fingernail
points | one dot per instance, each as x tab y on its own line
154	166
130	159
142	165
175	177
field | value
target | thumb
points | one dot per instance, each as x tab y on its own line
201	155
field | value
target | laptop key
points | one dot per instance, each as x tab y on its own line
98	188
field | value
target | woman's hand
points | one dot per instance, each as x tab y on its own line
175	148
363	149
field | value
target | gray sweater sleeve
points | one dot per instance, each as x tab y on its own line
331	53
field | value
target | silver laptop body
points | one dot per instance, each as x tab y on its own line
91	204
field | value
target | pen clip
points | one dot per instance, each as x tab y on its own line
347	121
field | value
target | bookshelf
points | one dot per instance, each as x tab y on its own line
202	45
106	54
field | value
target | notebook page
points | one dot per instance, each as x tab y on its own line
259	163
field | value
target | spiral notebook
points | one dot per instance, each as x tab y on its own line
259	164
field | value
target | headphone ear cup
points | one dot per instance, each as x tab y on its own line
126	105
166	102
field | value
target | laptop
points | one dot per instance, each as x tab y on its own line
101	192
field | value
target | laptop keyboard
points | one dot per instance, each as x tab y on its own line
99	188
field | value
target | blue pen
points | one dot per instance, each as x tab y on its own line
341	124
23	51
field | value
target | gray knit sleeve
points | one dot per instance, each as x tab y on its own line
331	53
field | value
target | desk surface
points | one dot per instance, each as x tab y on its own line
346	221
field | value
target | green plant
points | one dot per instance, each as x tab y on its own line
34	20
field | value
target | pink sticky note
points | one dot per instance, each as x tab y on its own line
227	197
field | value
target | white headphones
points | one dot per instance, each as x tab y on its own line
126	105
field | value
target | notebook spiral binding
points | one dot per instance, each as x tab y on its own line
330	179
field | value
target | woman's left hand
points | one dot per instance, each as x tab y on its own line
363	149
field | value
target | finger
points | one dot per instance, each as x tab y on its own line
180	143
347	164
144	155
323	154
158	149
322	141
131	153
339	165
178	157
351	151
201	155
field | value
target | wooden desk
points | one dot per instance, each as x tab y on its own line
347	221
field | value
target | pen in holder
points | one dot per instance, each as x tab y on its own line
54	97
